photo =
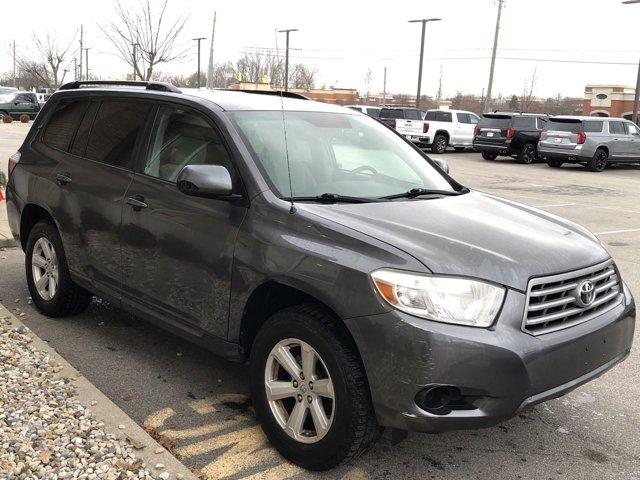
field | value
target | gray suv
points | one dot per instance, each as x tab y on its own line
591	141
364	285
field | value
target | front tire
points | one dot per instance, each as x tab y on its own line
316	426
50	285
599	161
489	156
440	144
528	154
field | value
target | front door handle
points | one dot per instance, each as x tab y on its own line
63	179
137	202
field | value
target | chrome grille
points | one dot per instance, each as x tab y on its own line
553	302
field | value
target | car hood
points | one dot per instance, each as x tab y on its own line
475	235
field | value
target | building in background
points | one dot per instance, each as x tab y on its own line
608	101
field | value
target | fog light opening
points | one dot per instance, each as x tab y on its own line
442	399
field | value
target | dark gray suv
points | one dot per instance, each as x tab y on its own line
366	287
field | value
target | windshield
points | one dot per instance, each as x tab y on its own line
342	154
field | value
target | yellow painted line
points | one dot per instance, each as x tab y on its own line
285	470
157	419
210	405
175	434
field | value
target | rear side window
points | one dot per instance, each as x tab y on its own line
444	117
593	127
430	116
374	112
115	131
524	122
467	118
501	121
63	124
617	128
82	136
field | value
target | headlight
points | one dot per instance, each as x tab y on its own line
443	299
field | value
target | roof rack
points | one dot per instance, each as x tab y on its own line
275	93
157	86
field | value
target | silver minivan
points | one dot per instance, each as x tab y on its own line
590	141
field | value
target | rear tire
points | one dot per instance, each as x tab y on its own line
50	285
599	161
352	426
554	163
528	154
440	144
489	156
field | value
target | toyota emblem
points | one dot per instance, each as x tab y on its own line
585	293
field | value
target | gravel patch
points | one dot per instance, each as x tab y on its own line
45	433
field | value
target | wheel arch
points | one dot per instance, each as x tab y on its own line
32	214
274	295
603	147
445	134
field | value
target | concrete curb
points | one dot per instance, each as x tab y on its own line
8	243
110	414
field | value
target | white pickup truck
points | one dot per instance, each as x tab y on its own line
441	129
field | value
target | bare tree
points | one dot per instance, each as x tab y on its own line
154	39
303	77
527	92
42	68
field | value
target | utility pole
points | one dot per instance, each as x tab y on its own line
210	66
75	68
286	57
199	39
86	61
135	51
487	99
634	117
384	87
81	38
14	64
424	24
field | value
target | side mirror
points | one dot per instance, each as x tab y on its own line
207	181
444	166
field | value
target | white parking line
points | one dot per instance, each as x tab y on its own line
618	231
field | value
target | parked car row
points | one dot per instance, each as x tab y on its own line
591	141
16	103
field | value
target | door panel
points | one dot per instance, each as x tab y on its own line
178	249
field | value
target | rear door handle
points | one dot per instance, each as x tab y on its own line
137	202
63	179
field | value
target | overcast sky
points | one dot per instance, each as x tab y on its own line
346	38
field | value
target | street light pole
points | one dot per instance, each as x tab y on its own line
636	97
286	57
487	99
199	39
424	24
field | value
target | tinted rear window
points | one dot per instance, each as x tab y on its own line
560	126
115	131
617	128
495	122
391	113
374	112
524	122
63	124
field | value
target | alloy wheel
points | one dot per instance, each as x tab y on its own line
44	266
528	154
441	145
299	390
601	160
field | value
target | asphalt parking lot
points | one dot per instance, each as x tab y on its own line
196	403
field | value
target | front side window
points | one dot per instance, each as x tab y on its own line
182	138
632	129
115	131
333	153
63	123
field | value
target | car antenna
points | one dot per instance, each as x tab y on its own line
292	210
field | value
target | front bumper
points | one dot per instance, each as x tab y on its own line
502	369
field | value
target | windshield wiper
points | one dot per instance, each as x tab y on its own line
417	192
334	198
